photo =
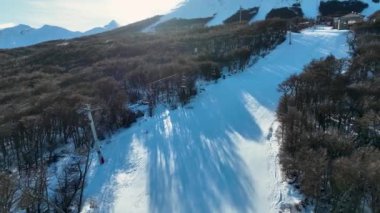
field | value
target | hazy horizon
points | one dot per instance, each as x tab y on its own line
80	15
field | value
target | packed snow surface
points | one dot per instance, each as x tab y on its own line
217	154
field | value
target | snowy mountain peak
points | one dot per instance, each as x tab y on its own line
24	35
112	25
46	26
18	27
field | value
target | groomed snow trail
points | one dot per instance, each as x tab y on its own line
218	154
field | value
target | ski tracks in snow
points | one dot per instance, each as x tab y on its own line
220	155
126	182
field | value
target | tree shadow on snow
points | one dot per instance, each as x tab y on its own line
189	171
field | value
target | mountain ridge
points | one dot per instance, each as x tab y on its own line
24	35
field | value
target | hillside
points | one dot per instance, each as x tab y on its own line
184	113
44	88
221	10
213	12
216	154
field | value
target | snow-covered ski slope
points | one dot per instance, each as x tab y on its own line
223	9
372	7
217	154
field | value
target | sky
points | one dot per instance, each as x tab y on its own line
80	15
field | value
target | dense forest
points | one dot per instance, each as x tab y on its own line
285	13
242	15
339	8
44	87
329	114
330	126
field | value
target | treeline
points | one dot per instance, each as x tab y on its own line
243	15
340	8
179	24
44	87
330	126
285	13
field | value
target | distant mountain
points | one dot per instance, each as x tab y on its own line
110	26
24	35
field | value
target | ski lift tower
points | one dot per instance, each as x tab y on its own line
290	34
88	110
240	14
184	84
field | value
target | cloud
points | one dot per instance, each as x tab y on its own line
7	25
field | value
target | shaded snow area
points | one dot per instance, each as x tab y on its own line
217	154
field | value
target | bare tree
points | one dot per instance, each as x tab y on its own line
8	189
